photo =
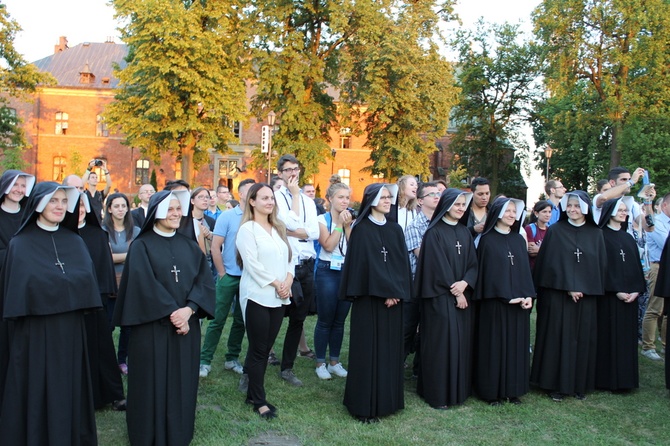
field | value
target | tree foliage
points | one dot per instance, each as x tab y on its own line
17	79
184	83
607	74
497	74
377	57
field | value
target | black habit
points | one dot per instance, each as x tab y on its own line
377	268
47	285
663	290
572	258
105	374
162	274
502	359
447	256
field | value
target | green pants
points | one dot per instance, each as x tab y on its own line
227	290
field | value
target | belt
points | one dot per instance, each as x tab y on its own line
304	262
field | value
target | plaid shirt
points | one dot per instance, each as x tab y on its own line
413	236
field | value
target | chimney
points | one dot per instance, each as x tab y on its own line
61	46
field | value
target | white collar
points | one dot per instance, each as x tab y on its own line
164	234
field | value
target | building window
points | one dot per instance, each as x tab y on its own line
86	78
177	168
228	168
61	123
345	138
237	129
59	169
141	172
345	175
101	126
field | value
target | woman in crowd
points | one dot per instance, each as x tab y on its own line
616	366
376	277
537	229
47	287
335	229
446	272
165	288
265	286
231	204
407	201
276	183
202	224
119	224
570	276
505	293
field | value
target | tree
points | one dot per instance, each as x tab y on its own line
497	74
17	79
184	83
614	52
378	57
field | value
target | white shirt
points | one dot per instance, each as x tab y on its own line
306	220
265	260
340	248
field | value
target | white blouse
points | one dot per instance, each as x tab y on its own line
265	259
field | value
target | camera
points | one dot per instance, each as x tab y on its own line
650	220
354	214
98	163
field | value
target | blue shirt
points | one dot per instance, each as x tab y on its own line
656	238
226	226
555	214
214	215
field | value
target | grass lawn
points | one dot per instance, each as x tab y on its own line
314	414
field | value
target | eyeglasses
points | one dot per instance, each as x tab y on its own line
386	197
291	169
148	192
432	194
202	197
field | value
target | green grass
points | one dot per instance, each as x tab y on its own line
314	414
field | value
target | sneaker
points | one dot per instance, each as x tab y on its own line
204	370
337	370
123	368
322	372
288	376
243	386
651	354
235	366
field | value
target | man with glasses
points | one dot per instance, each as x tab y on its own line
298	213
222	197
213	210
555	191
140	214
428	195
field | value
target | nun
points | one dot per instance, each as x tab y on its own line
445	276
504	293
570	277
47	285
616	368
165	288
376	277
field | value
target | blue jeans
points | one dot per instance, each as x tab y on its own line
332	312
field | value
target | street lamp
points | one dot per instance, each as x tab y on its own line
547	154
271	123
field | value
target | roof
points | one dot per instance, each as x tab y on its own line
95	58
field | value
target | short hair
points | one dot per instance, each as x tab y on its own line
601	183
666	198
479	181
274	180
245	182
422	186
173	184
288	158
615	172
306	184
220	186
549	185
442	182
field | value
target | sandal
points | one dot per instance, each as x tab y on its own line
272	359
119	405
268	414
308	354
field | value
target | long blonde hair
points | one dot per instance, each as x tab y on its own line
403	202
276	223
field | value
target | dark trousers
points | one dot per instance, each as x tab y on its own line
303	286
124	336
263	324
410	322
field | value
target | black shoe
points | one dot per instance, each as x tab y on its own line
272	359
495	403
367	420
556	396
580	396
119	405
445	407
514	400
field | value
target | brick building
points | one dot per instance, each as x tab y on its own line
65	128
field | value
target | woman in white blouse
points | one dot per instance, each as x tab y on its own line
265	286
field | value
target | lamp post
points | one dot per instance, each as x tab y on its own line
547	154
271	123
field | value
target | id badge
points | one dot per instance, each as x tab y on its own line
336	262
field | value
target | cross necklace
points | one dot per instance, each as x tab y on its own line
58	262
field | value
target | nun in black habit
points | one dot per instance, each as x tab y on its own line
47	284
165	281
616	366
376	277
570	277
504	293
663	290
105	374
446	272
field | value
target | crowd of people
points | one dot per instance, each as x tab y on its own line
448	275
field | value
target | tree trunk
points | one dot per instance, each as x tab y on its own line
187	165
615	152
